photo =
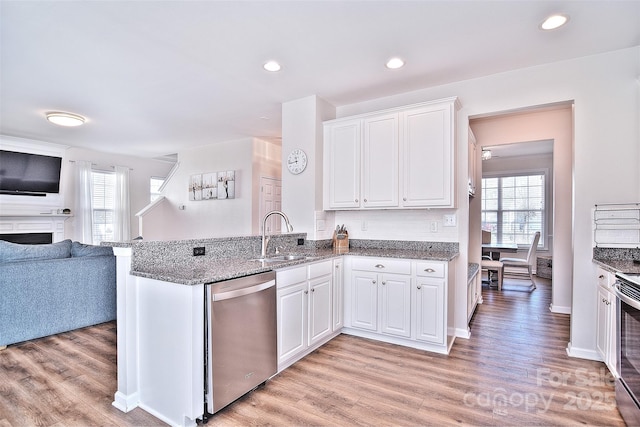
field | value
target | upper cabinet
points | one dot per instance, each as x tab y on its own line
392	159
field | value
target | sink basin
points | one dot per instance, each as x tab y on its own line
280	258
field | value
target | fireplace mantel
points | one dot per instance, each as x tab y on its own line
34	223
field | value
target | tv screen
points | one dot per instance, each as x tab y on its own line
29	174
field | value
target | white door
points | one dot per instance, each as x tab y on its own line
364	309
427	153
320	319
395	309
270	199
292	314
380	162
430	310
342	156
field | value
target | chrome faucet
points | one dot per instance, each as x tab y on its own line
265	239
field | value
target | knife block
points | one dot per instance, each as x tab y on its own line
341	242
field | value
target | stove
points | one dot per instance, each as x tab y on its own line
627	290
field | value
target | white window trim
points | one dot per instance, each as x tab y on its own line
548	196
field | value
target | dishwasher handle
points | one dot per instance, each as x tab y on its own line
622	297
235	293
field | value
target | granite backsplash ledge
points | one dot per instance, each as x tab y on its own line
626	254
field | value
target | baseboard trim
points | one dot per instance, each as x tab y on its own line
124	402
559	309
583	353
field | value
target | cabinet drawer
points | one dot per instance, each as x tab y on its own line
291	276
430	269
382	265
320	269
605	279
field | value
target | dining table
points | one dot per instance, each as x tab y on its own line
493	250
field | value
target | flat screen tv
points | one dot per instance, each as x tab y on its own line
29	174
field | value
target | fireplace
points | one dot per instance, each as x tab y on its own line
28	238
32	228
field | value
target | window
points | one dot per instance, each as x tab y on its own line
513	207
104	188
154	187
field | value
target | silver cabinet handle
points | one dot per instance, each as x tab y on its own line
429	270
404	199
356	200
379	266
313	289
384	283
601	276
365	200
419	287
373	281
306	292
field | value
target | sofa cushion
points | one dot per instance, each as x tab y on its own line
17	252
80	249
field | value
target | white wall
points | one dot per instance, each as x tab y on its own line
250	158
302	194
605	91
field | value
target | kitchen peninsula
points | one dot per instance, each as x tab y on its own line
398	292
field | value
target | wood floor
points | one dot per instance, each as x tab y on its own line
513	371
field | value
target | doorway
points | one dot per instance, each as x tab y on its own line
518	139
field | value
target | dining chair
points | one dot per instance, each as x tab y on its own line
492	266
514	266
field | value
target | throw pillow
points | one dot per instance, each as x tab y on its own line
81	249
17	252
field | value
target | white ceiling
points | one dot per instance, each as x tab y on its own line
155	77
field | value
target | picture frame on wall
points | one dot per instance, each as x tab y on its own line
209	186
195	187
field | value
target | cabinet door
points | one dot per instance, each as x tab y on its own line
320	319
427	154
395	308
380	162
430	310
364	300
342	164
473	159
292	323
338	295
603	325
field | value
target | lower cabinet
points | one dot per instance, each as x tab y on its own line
399	301
304	309
606	320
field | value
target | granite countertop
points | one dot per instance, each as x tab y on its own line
619	266
210	270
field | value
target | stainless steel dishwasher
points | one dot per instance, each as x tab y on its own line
242	337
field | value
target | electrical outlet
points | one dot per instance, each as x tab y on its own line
199	251
434	226
449	220
364	226
300	242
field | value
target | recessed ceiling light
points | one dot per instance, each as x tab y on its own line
554	21
65	119
395	63
272	66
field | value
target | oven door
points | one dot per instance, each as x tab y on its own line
628	385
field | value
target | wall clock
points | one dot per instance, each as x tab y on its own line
297	161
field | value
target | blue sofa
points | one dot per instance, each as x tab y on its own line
53	288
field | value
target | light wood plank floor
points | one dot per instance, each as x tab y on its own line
513	371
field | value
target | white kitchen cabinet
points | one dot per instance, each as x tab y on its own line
381	298
429	310
372	159
338	294
428	147
320	313
342	163
606	320
400	301
380	161
395	305
304	310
